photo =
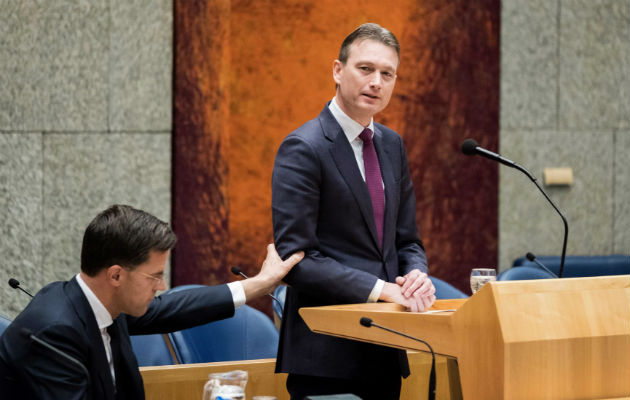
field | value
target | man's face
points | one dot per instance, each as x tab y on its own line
366	81
140	284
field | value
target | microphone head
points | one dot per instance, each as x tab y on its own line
365	321
14	283
469	147
235	270
530	256
26	332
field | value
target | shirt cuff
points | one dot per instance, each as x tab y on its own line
376	291
238	293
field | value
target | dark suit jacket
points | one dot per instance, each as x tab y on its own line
61	315
320	204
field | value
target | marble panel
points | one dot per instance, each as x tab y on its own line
53	65
141	65
21	216
86	173
527	222
529	42
621	218
594	64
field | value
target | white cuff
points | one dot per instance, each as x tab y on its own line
376	291
238	293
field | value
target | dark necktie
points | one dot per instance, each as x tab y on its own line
374	181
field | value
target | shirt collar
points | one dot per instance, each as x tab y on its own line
350	127
103	318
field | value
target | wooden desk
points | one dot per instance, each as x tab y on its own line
185	382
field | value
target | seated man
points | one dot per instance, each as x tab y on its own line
91	316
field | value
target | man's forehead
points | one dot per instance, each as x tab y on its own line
358	52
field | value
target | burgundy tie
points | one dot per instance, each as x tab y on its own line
374	181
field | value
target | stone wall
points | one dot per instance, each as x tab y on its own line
565	102
85	122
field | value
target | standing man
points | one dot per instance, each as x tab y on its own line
91	316
341	192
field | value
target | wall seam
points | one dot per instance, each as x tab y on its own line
558	34
613	226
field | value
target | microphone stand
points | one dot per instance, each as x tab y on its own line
564	220
367	322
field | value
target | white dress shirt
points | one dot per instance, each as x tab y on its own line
104	318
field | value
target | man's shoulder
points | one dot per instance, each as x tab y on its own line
51	306
386	132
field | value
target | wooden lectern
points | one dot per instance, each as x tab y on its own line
541	339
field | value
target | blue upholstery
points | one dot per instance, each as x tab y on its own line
151	350
580	266
444	290
248	335
281	294
4	323
524	273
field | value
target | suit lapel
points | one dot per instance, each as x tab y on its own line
97	359
342	153
128	377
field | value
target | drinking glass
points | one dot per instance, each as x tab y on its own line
226	385
479	276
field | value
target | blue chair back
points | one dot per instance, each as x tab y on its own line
151	350
524	273
281	294
4	323
444	290
582	266
248	335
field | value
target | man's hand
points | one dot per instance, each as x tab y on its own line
271	272
415	291
415	282
392	293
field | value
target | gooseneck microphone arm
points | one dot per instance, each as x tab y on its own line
471	148
237	271
367	322
27	333
531	257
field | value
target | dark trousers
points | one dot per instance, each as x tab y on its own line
385	387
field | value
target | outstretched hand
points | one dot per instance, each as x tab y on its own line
272	271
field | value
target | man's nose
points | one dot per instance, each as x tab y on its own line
376	80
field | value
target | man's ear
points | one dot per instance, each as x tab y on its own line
114	274
336	69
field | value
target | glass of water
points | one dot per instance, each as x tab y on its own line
479	276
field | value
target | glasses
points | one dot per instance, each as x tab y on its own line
157	280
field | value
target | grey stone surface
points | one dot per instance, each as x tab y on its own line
53	65
621	221
529	42
141	65
86	173
527	222
594	64
21	216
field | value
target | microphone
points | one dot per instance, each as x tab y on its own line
367	322
15	284
27	333
531	257
471	148
237	271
